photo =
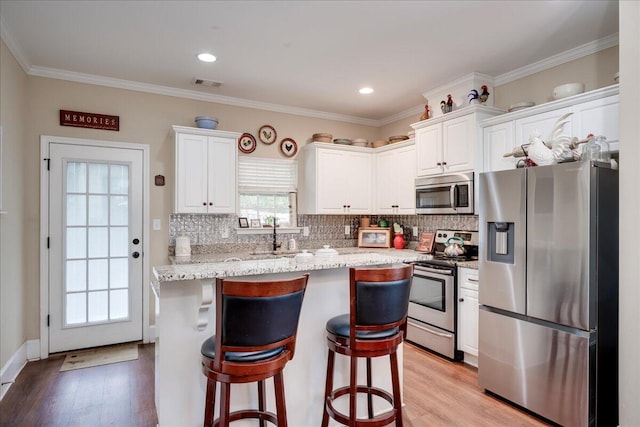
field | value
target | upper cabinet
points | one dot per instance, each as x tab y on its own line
206	169
594	112
448	143
335	179
395	176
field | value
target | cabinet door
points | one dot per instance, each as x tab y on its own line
357	180
458	146
498	140
332	178
191	174
405	172
599	117
222	175
386	178
429	150
543	124
468	321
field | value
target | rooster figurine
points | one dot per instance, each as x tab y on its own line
473	96
425	115
449	103
485	93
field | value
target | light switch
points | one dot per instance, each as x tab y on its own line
347	230
156	224
415	231
305	231
225	233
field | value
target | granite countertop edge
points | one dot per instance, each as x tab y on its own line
213	267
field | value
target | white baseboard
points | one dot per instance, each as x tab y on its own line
28	351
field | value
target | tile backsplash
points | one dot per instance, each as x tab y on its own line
207	232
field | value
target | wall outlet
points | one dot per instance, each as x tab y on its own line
225	233
305	231
156	224
347	230
415	231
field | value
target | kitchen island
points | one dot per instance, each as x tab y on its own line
185	316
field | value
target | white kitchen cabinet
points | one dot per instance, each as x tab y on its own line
595	112
205	170
395	175
468	313
335	180
447	144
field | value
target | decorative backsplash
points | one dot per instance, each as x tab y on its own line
206	231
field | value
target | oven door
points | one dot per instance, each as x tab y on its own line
445	198
432	297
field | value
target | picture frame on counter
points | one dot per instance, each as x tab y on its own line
255	223
243	222
374	237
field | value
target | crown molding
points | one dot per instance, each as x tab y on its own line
13	47
559	59
410	112
191	94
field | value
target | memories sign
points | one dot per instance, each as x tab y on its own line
89	120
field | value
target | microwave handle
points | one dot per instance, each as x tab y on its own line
452	196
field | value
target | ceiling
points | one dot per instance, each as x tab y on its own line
297	56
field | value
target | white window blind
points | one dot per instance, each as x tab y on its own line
267	175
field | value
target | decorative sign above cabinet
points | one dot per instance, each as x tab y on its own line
89	120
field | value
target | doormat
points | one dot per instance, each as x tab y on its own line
100	356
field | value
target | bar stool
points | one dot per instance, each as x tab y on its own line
256	326
375	326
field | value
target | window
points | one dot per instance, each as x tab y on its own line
267	190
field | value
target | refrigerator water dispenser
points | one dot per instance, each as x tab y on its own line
500	245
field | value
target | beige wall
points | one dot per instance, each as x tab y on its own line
13	255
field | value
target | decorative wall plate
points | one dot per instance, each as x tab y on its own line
247	143
288	147
267	134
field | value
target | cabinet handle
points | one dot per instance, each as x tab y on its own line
438	164
469	279
210	203
444	163
460	299
204	203
348	206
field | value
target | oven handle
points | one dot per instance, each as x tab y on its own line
452	196
432	270
431	331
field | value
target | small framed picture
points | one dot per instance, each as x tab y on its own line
255	223
426	242
374	238
244	222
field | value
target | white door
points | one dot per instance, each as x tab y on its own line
95	246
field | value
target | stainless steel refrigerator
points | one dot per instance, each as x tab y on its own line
548	266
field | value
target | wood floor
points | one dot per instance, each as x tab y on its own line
437	392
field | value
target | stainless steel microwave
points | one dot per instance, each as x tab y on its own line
445	194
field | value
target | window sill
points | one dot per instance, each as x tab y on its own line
269	230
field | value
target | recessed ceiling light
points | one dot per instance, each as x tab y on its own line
206	57
366	90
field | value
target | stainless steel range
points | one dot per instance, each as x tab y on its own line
432	319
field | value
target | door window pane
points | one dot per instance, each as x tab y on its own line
119	273
98	178
98	242
119	304
76	308
76	209
98	210
76	242
119	210
98	306
119	179
119	241
98	274
76	177
76	276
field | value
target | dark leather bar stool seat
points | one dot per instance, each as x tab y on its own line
375	326
256	328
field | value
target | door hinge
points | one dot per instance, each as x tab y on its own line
48	319
47	242
48	163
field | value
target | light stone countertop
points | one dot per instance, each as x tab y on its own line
211	266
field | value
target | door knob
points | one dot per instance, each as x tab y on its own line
136	254
460	299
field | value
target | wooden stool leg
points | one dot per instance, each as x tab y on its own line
281	408
395	381
328	389
225	391
369	384
261	400
209	403
353	385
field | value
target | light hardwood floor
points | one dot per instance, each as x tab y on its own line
437	392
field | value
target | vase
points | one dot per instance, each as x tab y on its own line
398	241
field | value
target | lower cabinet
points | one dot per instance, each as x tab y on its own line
468	314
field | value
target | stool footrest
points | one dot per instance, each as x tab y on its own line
250	413
377	421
